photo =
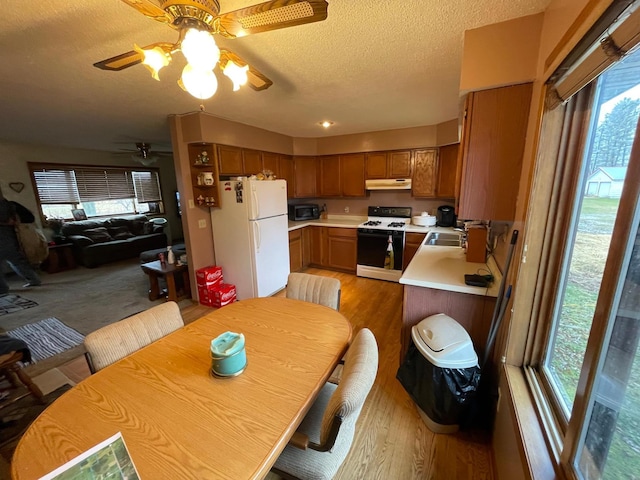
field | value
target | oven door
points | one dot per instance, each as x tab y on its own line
372	247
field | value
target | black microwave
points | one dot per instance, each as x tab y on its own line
304	211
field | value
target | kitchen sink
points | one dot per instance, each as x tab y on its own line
444	239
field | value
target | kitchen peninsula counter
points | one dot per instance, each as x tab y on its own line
434	283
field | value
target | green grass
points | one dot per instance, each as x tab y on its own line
600	206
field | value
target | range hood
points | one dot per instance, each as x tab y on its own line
389	184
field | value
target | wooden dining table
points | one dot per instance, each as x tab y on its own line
180	422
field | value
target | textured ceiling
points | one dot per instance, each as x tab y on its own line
371	65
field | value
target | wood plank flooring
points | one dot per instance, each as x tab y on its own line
391	441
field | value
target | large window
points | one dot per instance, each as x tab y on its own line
99	191
609	439
580	352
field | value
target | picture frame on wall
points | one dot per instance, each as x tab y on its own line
79	214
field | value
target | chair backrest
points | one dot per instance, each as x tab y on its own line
358	375
113	342
315	289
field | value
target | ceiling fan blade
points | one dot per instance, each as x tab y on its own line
271	16
257	80
131	58
149	9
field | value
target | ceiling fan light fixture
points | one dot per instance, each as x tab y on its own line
154	59
200	49
236	73
198	82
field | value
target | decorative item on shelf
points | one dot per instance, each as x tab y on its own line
208	178
200	200
203	158
200	179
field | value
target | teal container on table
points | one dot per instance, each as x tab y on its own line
228	355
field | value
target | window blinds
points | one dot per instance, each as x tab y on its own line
586	62
147	186
56	186
104	184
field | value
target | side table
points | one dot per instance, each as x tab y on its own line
60	258
155	270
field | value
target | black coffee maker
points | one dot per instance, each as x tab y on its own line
446	216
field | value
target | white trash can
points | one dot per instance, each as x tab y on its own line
440	372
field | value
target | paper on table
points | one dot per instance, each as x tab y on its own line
111	456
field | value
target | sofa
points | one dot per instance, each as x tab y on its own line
99	241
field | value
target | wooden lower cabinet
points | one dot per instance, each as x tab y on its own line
299	249
412	242
473	312
334	248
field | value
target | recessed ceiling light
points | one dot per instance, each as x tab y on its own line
326	124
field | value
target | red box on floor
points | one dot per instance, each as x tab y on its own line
208	277
218	296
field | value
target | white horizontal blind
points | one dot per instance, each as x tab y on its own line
56	186
618	40
104	184
147	186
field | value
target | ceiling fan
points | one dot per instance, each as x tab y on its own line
197	21
144	155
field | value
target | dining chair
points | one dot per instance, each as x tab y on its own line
11	369
113	342
324	438
314	288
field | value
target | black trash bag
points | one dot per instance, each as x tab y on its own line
444	394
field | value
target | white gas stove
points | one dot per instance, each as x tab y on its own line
383	225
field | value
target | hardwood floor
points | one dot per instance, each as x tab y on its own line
391	441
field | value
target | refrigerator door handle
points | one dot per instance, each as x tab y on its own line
256	229
255	202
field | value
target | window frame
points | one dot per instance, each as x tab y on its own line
564	436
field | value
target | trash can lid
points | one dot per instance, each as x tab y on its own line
444	342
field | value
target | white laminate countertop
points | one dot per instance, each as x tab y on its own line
444	268
346	221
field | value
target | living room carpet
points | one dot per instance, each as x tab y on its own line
17	416
10	303
47	338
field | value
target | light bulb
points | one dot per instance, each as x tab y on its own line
200	49
238	75
198	82
154	59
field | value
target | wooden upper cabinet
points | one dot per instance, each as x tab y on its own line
376	165
304	169
395	164
447	167
492	147
230	160
425	174
271	161
251	162
286	172
352	175
329	176
399	164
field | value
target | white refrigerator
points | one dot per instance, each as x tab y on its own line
251	237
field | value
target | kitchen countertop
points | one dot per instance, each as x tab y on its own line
444	268
346	221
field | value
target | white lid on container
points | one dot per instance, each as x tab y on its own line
444	342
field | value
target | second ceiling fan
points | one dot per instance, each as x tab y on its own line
197	21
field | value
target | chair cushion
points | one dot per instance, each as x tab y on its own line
113	342
98	235
346	400
314	288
